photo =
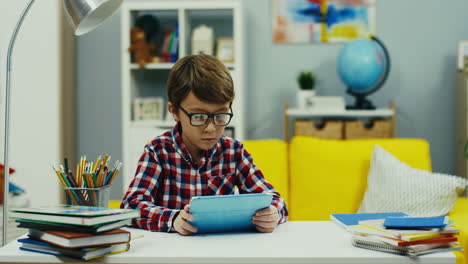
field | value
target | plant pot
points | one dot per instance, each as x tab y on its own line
302	97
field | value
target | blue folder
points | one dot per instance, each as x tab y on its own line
227	213
416	222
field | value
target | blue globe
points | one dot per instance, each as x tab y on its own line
361	65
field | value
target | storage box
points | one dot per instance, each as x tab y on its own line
373	129
324	129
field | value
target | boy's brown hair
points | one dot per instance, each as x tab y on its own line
204	75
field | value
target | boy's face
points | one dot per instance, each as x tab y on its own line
203	137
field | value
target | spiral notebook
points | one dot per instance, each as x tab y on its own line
411	251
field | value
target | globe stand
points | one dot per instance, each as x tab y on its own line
361	102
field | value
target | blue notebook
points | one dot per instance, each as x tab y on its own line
416	222
85	253
345	220
227	213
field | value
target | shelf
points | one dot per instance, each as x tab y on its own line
153	124
152	66
167	66
380	112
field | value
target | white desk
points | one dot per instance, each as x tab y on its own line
292	242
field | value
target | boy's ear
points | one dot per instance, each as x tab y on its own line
171	109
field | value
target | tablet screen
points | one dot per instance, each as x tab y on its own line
227	213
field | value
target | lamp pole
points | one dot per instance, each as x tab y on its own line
84	15
7	121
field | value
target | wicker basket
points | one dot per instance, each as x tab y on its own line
376	129
327	129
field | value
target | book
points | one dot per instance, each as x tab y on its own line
376	227
74	214
378	223
413	222
366	230
402	243
165	52
40	225
68	239
411	251
174	45
346	220
86	253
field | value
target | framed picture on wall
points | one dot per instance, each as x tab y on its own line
148	108
225	49
462	57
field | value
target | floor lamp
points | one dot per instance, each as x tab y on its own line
84	16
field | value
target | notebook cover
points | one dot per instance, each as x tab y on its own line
72	214
345	220
227	213
73	210
416	222
86	253
40	225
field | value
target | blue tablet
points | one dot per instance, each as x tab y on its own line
227	213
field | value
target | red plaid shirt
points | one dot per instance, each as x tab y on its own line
166	179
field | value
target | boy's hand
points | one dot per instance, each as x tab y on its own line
266	220
181	225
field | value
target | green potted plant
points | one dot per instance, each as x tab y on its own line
306	81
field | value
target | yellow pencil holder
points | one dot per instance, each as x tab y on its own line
98	197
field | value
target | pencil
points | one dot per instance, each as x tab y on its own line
77	171
91	194
65	162
115	173
96	164
109	175
83	164
101	172
70	194
78	193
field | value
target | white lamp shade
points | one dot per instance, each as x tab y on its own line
85	15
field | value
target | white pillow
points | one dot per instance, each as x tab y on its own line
393	186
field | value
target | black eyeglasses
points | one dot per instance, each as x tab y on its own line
200	119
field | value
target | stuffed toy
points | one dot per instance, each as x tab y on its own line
2	180
142	52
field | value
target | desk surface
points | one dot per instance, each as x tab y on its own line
292	242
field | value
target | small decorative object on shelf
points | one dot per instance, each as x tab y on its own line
202	40
225	49
148	108
462	55
142	52
326	103
306	81
229	132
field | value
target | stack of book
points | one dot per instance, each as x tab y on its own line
75	231
401	234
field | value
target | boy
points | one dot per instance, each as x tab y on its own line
194	158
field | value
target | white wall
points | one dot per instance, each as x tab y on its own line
34	136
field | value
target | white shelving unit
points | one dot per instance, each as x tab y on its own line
341	115
225	17
298	113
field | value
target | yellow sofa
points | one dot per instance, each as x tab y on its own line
318	177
